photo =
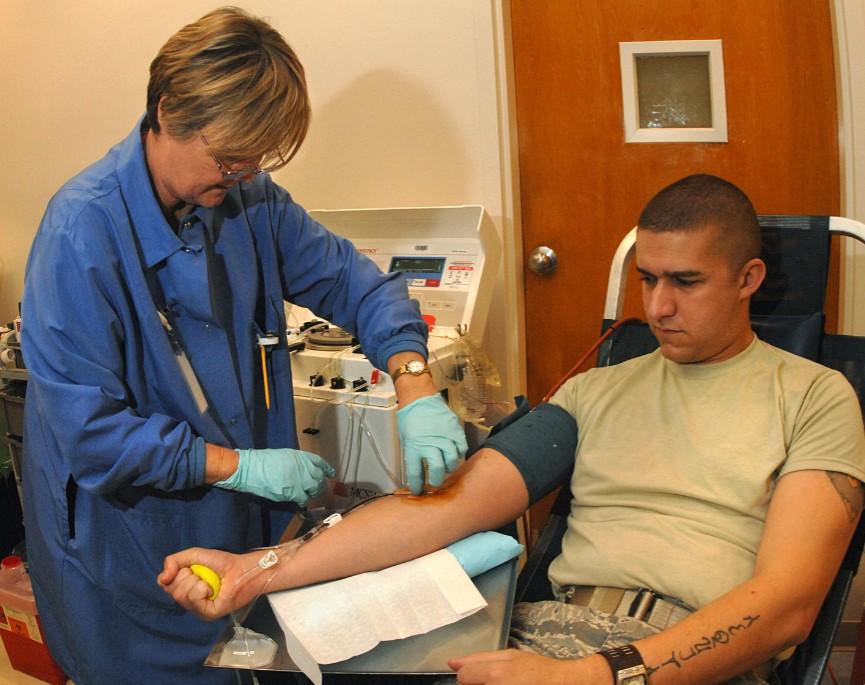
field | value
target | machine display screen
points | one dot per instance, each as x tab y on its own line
418	265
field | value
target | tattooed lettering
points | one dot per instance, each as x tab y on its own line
749	620
720	637
703	645
672	661
851	492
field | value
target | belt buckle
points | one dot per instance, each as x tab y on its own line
643	603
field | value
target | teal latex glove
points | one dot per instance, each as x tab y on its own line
482	551
430	433
279	474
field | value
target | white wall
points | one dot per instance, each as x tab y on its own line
409	108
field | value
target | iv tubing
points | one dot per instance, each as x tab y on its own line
582	360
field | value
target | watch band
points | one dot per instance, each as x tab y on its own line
627	665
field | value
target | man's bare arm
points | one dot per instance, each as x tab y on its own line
807	532
485	493
805	537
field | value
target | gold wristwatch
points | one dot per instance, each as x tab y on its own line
415	367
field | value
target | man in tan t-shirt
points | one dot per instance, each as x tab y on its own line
719	471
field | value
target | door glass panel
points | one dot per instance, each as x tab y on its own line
674	91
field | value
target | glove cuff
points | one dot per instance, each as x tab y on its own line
236	479
435	399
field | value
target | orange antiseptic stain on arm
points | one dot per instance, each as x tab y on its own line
432	494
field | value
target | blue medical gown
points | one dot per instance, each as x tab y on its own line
114	442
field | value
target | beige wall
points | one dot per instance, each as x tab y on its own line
849	16
406	102
410	104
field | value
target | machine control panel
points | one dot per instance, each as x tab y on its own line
447	256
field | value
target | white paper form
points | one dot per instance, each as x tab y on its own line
335	621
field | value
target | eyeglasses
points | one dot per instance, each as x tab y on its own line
238	175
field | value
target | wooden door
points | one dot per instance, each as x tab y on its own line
582	186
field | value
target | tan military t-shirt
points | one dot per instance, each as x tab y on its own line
676	464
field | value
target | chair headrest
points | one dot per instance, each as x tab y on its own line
800	335
796	252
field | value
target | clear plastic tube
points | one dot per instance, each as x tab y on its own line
247	648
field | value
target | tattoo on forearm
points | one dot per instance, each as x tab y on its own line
719	638
851	492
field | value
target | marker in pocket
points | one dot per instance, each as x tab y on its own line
265	342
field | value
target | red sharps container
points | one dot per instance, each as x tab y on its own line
20	627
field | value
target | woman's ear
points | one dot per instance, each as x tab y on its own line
159	111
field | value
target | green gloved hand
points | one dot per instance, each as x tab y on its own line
279	474
431	434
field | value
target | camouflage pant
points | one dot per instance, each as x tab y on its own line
567	631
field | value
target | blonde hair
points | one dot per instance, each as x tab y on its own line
233	77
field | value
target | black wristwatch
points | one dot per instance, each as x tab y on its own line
627	665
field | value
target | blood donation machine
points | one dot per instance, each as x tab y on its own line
346	409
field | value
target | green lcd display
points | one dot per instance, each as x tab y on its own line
418	265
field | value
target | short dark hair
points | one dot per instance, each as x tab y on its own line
701	201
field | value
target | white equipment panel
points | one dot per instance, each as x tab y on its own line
443	252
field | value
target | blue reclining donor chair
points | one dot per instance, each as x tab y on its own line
786	312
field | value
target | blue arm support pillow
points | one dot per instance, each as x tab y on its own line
482	551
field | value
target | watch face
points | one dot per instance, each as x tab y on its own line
634	680
415	366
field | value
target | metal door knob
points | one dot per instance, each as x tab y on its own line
543	260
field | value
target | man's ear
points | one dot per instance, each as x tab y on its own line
751	277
